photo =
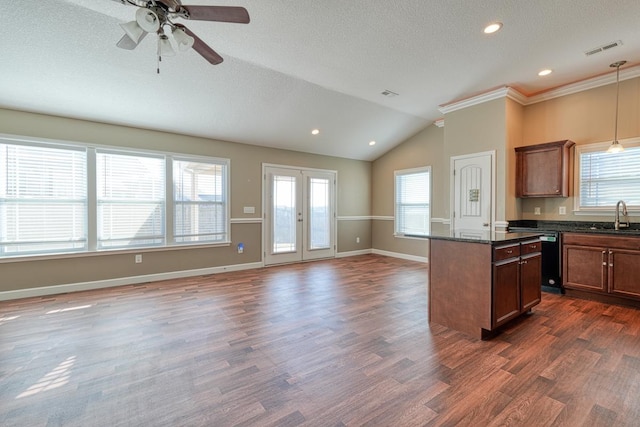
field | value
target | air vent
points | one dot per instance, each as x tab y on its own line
603	48
389	94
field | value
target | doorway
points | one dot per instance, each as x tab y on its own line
299	214
472	192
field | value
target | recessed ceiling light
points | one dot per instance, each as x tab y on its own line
315	131
372	143
492	28
545	72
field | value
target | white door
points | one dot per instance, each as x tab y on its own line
299	214
472	196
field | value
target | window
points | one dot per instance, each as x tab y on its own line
412	202
64	197
43	199
130	199
604	178
200	201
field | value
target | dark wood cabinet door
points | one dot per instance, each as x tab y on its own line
543	170
624	273
584	268
506	291
530	279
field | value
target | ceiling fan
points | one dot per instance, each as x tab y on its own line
153	16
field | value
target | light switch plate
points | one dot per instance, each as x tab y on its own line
536	210
563	210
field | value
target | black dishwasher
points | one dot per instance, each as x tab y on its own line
551	258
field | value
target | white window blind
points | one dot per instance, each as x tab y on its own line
130	194
43	199
606	178
412	202
200	201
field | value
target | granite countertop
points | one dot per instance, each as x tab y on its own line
577	227
482	236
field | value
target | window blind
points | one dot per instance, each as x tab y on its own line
412	199
200	201
606	178
43	199
130	195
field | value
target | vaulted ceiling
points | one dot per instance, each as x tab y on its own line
301	65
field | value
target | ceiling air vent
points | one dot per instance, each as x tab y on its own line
603	48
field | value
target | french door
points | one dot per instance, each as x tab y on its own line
299	213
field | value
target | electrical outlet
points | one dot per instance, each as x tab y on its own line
562	210
240	248
536	210
138	259
357	240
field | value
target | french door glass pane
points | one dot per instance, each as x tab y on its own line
319	213
284	214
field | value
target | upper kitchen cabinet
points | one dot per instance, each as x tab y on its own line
543	170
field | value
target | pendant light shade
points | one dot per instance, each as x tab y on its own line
164	46
183	40
615	146
147	20
134	31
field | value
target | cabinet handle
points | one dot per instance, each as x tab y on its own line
604	253
524	262
533	246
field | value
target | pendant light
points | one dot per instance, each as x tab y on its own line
615	146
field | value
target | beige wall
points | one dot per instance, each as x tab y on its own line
422	149
584	118
478	129
353	199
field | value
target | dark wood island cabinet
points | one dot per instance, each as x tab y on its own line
478	281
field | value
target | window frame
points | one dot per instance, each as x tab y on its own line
578	209
396	221
84	241
91	206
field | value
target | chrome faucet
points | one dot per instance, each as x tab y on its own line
616	223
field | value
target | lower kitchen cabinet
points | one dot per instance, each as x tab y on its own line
478	287
516	284
602	264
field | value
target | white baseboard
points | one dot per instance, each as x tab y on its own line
399	255
353	253
99	284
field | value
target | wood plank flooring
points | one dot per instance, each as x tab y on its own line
343	342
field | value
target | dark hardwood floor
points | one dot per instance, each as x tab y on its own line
343	342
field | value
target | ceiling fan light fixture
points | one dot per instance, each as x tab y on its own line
147	20
183	40
164	46
133	30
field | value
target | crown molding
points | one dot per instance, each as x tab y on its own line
610	78
511	93
502	92
439	123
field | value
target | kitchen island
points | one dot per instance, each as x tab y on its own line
480	280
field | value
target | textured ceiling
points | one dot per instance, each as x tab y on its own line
304	64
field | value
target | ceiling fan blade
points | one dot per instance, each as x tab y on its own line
127	43
234	14
202	48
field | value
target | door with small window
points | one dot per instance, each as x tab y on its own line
299	214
